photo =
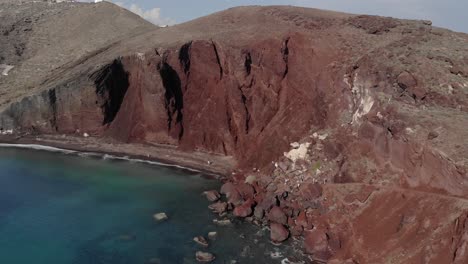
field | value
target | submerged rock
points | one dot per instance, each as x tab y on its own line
204	256
218	207
201	241
223	222
212	235
212	195
160	217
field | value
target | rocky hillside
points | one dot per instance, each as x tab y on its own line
41	39
348	131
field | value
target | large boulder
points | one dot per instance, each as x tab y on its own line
278	233
276	215
219	207
316	244
204	256
246	190
245	209
212	195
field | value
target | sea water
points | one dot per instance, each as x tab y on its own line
57	208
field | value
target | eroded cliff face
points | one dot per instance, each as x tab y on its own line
233	101
351	128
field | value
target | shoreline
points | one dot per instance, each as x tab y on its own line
104	156
216	167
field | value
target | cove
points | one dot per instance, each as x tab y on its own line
57	208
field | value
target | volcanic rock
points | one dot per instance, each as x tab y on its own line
212	235
316	244
228	187
201	241
246	191
301	219
278	233
160	217
223	222
219	207
204	256
212	195
277	215
245	209
259	213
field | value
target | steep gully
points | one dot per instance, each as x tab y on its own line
252	103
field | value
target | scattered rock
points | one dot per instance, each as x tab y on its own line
246	190
278	233
212	235
228	188
204	256
232	194
259	213
301	219
224	222
235	198
201	241
406	80
277	215
212	195
427	22
268	202
297	230
245	209
432	135
250	179
283	166
295	145
219	207
160	217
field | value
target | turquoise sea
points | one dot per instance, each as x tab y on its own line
57	208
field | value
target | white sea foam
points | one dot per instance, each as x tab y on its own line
287	261
95	154
38	147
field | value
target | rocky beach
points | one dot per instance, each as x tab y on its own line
63	208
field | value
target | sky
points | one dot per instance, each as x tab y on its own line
450	14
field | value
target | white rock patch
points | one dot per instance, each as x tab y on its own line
298	153
140	56
6	132
4	68
363	101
